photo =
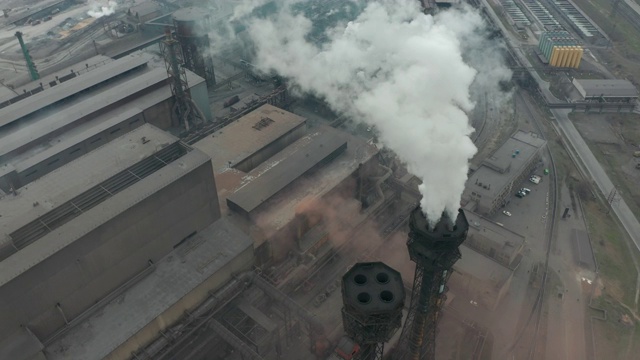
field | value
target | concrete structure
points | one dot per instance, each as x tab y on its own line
480	278
491	185
177	284
273	144
495	241
615	90
76	235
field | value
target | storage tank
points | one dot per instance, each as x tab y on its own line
192	26
191	21
554	56
572	58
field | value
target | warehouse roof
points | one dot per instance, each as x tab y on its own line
322	147
177	274
44	196
504	164
607	88
243	138
44	99
280	209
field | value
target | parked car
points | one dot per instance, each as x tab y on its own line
525	190
520	194
506	212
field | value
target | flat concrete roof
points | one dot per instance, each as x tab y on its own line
239	140
481	267
608	88
282	173
501	167
43	99
492	231
174	277
280	209
74	178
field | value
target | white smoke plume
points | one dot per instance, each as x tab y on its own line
399	70
102	8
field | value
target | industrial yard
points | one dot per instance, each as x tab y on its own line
199	179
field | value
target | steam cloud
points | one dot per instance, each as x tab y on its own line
100	9
401	71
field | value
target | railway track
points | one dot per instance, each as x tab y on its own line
536	312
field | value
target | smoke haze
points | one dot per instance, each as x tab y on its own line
101	8
400	71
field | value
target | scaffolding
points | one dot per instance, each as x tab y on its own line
434	249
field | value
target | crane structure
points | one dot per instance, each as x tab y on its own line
185	110
434	248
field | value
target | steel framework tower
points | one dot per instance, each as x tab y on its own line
184	108
33	72
434	249
192	25
373	298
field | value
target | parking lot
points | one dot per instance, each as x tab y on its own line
529	214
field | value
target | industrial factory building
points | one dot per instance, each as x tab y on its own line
499	176
610	90
122	84
268	162
494	241
79	235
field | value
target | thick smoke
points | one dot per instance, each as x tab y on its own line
396	69
101	8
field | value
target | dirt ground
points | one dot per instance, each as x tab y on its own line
614	138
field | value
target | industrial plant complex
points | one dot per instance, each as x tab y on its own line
163	196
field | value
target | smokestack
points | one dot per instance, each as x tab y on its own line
434	249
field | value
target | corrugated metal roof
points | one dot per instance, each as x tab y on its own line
239	140
608	88
88	106
43	99
276	178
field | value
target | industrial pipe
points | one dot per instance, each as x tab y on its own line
162	341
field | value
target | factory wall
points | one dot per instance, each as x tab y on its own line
189	302
200	95
87	270
160	114
272	148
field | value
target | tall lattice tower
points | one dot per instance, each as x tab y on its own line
373	298
192	25
434	249
185	110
